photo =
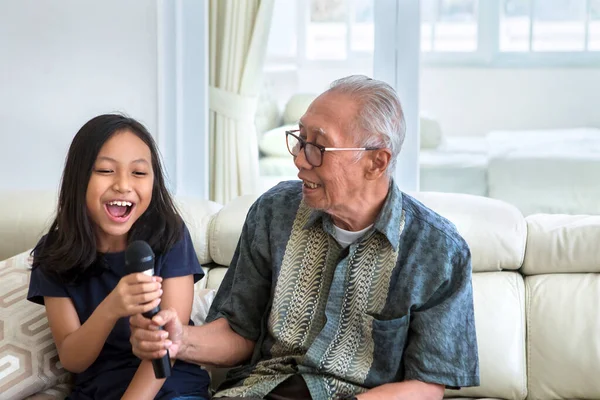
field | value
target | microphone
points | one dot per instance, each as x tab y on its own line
139	257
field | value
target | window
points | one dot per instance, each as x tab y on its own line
510	32
459	32
449	26
549	25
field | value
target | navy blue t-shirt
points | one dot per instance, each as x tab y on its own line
113	370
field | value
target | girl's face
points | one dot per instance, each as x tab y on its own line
119	190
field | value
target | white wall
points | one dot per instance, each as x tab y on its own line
61	63
474	101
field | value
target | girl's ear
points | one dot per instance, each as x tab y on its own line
379	161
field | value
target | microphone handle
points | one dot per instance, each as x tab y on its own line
161	366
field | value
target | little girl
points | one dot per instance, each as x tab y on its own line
113	193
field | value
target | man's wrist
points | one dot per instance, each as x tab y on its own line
183	344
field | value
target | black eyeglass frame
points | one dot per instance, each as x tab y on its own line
322	149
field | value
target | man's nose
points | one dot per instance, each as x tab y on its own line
300	160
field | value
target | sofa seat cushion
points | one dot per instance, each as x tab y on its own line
563	343
215	277
499	301
28	358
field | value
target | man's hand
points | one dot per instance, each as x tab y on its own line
148	342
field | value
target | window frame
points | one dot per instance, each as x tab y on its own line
487	55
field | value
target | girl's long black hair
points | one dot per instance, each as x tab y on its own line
68	252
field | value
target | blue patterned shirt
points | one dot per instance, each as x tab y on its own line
395	305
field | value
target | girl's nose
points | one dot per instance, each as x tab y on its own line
121	184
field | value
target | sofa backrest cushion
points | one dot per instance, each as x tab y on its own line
226	227
198	215
494	230
562	244
25	216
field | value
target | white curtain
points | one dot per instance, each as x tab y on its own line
238	32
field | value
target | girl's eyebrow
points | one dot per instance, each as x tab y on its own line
104	158
138	161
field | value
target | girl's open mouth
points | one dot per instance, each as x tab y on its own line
119	210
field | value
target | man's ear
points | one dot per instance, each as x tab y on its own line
379	161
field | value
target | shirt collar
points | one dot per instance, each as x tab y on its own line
389	222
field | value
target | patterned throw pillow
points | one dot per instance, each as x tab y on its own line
28	358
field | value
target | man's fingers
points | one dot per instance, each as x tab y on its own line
150	355
152	339
138	321
145	349
165	316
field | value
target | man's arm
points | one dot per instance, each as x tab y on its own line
442	340
214	343
409	390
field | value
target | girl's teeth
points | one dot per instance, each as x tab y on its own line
120	203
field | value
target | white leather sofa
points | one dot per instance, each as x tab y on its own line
536	291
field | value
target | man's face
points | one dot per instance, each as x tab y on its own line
340	179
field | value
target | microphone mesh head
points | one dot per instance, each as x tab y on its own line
139	257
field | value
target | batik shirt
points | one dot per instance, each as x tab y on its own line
395	305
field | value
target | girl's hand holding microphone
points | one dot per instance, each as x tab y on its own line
134	294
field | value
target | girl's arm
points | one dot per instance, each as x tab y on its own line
79	345
177	293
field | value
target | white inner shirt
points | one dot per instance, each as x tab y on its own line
346	238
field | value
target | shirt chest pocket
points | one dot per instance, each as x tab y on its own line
389	339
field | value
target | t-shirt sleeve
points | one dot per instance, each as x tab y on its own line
181	259
41	285
244	294
442	342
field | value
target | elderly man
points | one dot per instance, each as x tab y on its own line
341	286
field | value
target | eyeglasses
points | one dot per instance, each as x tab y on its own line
312	151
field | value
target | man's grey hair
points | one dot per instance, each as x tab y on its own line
380	120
